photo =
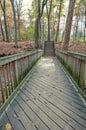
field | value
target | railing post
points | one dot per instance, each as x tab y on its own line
13	69
16	71
85	76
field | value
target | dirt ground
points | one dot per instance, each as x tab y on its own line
75	47
9	48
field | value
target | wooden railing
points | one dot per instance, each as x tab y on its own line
13	69
76	65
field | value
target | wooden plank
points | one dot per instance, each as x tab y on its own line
57	87
40	124
59	111
4	121
46	119
49	97
60	94
13	117
81	111
42	105
27	123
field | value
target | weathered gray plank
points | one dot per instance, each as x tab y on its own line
27	123
4	121
31	114
51	124
13	117
61	112
61	95
62	99
58	88
48	111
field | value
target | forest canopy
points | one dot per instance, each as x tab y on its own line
61	21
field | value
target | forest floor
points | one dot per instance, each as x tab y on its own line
9	48
75	47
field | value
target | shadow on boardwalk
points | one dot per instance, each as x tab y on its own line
46	101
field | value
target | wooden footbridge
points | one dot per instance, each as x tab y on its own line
42	97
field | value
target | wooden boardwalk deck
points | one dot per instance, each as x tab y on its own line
46	101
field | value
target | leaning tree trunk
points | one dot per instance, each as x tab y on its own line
68	24
15	24
3	7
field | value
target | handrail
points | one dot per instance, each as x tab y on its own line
76	65
11	58
77	55
13	69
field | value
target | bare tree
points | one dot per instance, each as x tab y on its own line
48	10
3	6
37	24
59	16
15	24
18	10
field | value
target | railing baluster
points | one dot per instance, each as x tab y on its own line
8	80
10	73
13	70
4	78
1	87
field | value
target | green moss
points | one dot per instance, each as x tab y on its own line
75	76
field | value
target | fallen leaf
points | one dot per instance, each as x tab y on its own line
54	87
81	109
45	103
60	90
8	126
27	99
69	119
16	117
37	96
51	94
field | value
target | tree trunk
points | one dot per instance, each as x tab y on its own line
2	30
48	28
5	24
76	28
37	24
68	24
37	32
60	9
15	24
40	32
85	25
18	26
48	18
